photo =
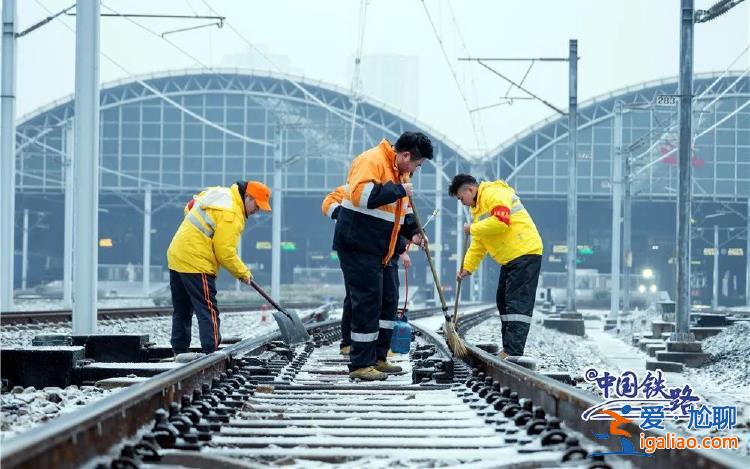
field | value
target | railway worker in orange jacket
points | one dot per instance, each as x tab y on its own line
503	228
206	239
331	208
374	213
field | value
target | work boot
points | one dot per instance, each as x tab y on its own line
502	355
345	350
385	367
368	374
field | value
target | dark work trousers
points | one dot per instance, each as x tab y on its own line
387	316
346	320
363	276
388	310
516	293
194	292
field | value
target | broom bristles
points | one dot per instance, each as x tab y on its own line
455	343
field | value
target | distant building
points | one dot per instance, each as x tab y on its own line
147	141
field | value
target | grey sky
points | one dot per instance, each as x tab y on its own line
621	43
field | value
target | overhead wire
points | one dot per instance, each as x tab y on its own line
673	123
293	82
454	75
472	76
161	95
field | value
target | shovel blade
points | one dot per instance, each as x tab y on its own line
292	330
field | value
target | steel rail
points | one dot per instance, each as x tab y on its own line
62	315
95	429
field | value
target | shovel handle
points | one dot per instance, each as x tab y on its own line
266	296
429	258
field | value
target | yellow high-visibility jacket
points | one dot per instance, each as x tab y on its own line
333	201
209	234
502	227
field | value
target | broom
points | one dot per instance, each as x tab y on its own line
460	350
449	331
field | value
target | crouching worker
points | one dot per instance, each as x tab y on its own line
206	239
509	236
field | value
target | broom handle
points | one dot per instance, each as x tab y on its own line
459	280
429	258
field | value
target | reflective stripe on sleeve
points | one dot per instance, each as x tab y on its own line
333	206
194	220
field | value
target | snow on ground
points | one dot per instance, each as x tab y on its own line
724	381
553	351
23	409
730	357
235	324
47	304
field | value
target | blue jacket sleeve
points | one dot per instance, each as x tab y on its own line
409	228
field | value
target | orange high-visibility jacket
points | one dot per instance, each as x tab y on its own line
502	227
375	208
209	234
332	202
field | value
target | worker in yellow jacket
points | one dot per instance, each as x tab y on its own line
503	228
206	239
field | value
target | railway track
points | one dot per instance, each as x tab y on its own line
260	403
10	318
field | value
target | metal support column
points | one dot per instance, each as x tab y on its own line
572	173
438	239
86	167
147	241
7	154
715	289
68	222
614	306
25	249
276	201
627	217
684	193
747	256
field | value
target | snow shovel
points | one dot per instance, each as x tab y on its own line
290	325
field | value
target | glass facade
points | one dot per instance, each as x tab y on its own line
537	161
148	141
